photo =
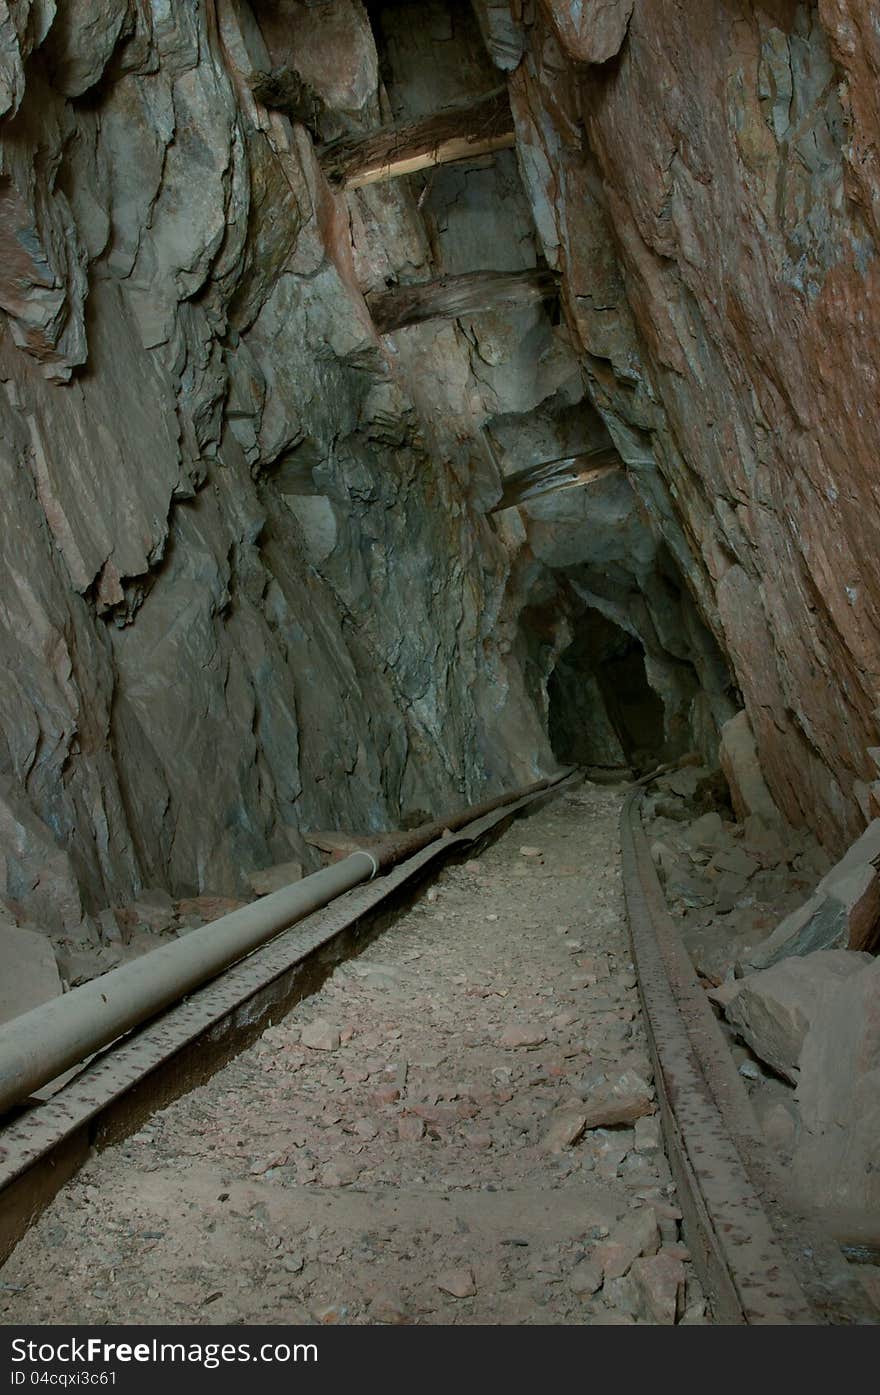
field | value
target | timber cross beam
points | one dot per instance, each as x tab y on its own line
457	133
550	476
451	297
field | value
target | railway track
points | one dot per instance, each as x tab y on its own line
758	1261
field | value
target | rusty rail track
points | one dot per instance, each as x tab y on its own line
46	1142
761	1260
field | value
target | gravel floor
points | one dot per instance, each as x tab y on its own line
408	1145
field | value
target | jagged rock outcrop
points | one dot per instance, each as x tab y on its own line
240	596
252	578
707	188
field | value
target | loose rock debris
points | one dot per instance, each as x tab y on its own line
459	1128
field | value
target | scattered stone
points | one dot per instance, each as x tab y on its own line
706	832
843	912
388	1307
648	1137
738	756
777	1123
566	1127
658	1281
341	1172
460	1283
30	973
320	1036
586	1277
328	1314
111	930
386	1094
531	852
774	1009
274	878
619	1101
764	842
736	861
154	908
619	1293
205	909
520	1034
410	1129
365	1129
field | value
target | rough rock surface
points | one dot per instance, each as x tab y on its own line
710	197
728	884
775	1009
837	1158
843	912
250	586
30	974
399	1174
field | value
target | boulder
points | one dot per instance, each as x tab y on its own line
738	754
621	1101
154	908
270	879
565	1128
658	1281
843	912
774	1009
593	31
706	832
736	861
30	974
837	1158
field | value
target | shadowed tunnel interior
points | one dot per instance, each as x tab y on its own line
602	710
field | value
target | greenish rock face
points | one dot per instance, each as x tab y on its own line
255	580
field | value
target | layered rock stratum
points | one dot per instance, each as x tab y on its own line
252	584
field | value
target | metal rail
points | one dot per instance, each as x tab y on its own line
759	1259
183	1046
41	1044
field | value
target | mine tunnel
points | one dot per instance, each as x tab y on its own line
602	710
440	743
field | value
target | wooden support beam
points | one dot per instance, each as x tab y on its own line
567	472
450	297
458	133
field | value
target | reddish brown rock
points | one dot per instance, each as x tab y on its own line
565	1127
522	1035
592	31
659	1284
732	355
320	1036
618	1101
775	1009
843	912
837	1157
410	1129
459	1283
29	973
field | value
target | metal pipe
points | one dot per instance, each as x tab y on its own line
48	1040
43	1043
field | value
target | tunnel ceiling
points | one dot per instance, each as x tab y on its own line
313	478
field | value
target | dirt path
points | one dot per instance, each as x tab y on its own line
411	1164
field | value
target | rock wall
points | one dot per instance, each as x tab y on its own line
251	580
241	596
706	179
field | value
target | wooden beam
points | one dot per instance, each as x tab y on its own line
458	133
567	472
450	297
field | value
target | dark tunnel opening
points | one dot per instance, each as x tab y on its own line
602	710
